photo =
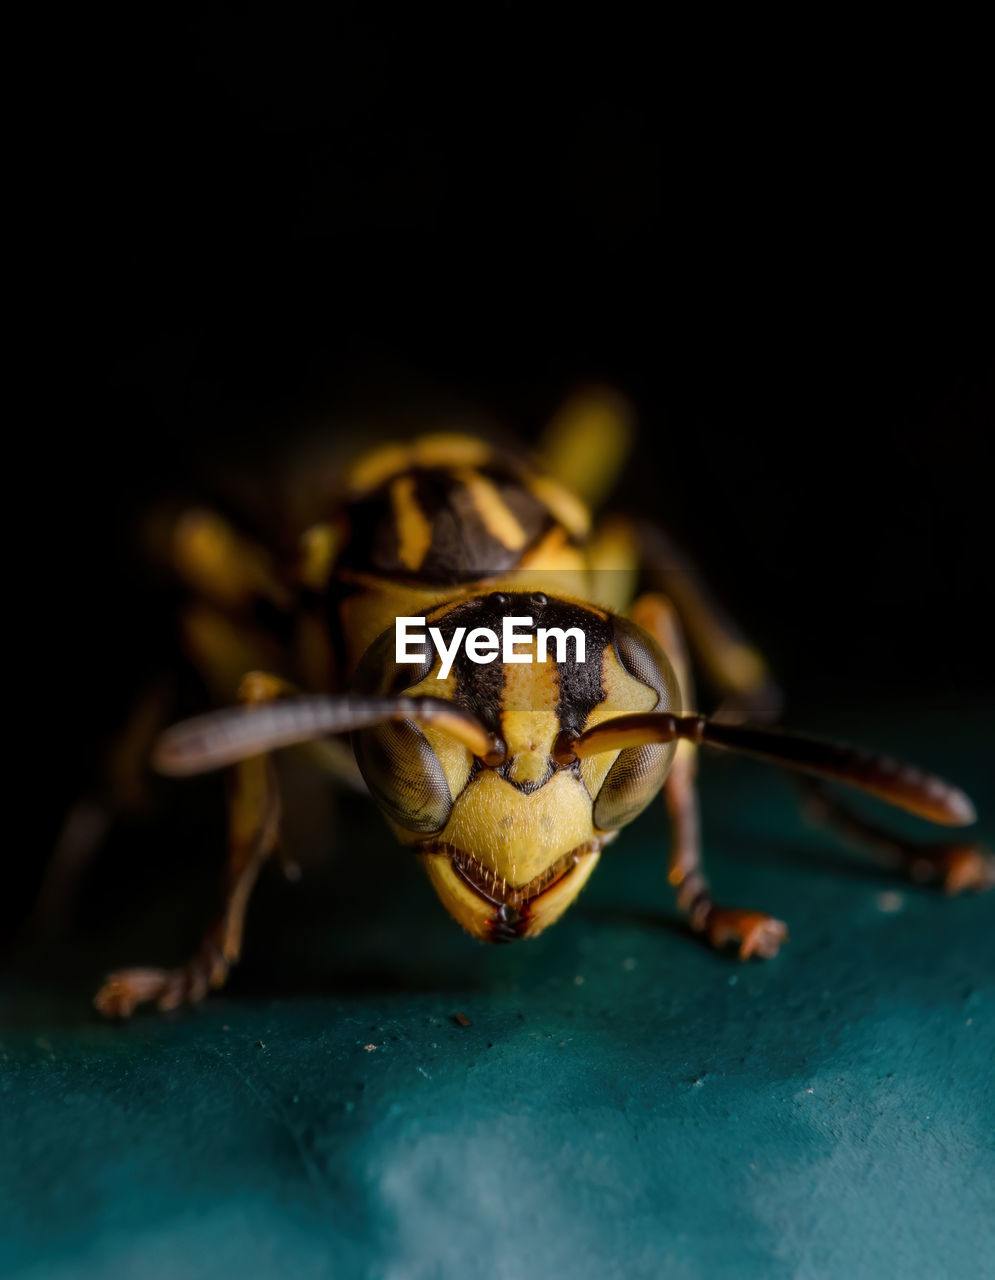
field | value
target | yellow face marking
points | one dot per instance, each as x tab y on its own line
414	529
623	694
518	836
529	722
498	518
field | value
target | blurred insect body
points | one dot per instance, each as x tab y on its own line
506	779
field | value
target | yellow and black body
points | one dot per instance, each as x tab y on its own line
505	778
466	535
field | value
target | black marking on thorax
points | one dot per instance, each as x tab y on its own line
462	549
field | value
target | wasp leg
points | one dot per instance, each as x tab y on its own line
253	827
739	672
956	865
216	561
732	664
223	649
587	442
613	563
226	569
121	788
756	933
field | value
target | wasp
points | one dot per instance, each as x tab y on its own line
505	779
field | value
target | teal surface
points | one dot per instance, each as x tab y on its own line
622	1103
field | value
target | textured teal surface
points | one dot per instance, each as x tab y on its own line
623	1102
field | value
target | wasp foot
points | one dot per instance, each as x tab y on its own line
124	990
757	934
959	868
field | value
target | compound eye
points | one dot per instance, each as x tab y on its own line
639	772
380	673
643	658
404	776
397	763
632	782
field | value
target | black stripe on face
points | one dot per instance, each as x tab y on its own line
581	683
480	686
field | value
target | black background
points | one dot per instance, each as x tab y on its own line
772	241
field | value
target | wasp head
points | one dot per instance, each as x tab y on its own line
509	845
